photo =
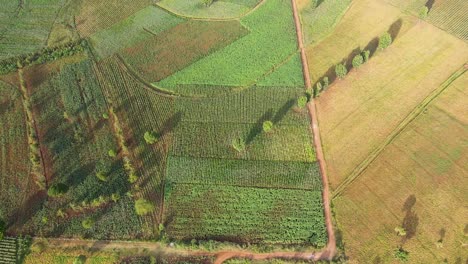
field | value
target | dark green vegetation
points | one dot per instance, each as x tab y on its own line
91	149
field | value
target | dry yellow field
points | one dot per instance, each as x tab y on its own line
363	22
418	182
358	113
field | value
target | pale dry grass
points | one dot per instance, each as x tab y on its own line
358	113
427	163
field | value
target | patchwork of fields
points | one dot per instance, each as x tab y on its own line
104	138
418	182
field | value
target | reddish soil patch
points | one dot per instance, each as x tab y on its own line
159	56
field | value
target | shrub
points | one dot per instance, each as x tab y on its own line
267	126
238	144
101	175
401	254
423	12
79	260
150	137
207	2
319	87
302	101
2	228
366	55
112	153
38	247
326	83
316	91
400	231
309	93
105	116
385	40
341	71
143	207
87	223
132	177
357	61
57	189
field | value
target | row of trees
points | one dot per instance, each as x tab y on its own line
341	70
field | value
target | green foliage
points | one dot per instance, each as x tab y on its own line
2	228
102	176
326	83
143	207
87	223
42	56
238	144
245	214
423	12
358	60
57	189
401	254
365	55
385	40
151	137
112	153
400	231
80	260
319	87
133	177
105	116
341	71
267	126
207	3
302	101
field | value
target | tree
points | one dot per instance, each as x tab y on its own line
423	12
238	144
385	40
112	153
319	87
267	126
341	71
101	175
302	101
366	55
150	137
401	254
326	83
357	61
2	229
87	223
400	231
143	207
57	189
207	2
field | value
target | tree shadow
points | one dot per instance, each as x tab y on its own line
5	106
372	46
257	128
348	62
411	220
318	3
429	4
395	28
442	233
283	111
171	123
377	260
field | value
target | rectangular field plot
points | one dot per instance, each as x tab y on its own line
244	214
132	30
269	174
214	140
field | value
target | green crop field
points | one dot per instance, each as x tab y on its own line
244	214
223	9
138	27
25	25
272	39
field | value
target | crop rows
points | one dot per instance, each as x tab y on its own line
132	30
261	173
451	16
14	151
271	40
247	106
243	214
217	9
140	110
25	25
8	249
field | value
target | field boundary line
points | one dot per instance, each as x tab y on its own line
396	132
260	3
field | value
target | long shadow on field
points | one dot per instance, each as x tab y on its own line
257	128
377	260
4	107
395	28
411	220
171	123
27	210
442	232
429	4
348	62
372	46
283	111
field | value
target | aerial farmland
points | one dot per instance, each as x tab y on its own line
233	131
